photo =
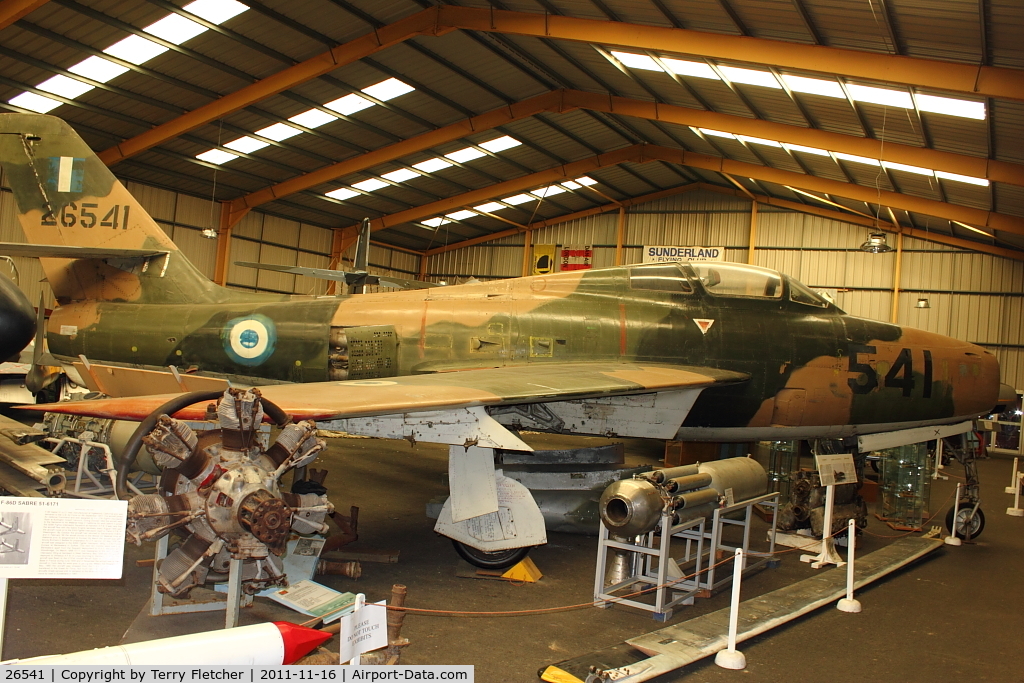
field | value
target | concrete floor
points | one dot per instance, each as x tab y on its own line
952	616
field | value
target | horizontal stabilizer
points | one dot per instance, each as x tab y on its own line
63	251
341	276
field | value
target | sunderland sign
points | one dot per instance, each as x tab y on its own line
666	254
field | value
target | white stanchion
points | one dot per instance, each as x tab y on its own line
1016	510
849	604
730	658
953	539
828	554
938	461
1014	479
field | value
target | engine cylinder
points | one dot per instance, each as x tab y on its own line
630	507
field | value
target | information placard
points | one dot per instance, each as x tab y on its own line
61	538
836	469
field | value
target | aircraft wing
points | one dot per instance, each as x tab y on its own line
341	275
62	251
535	383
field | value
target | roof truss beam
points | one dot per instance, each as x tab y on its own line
12	10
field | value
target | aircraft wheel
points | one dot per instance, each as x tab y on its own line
977	524
500	559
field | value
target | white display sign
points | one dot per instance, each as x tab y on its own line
364	630
668	254
836	469
61	538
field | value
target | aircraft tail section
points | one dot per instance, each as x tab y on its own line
67	198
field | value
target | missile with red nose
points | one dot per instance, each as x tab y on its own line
268	644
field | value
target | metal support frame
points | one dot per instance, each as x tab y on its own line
161	603
653	557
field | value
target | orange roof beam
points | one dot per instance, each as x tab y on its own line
420	23
888	226
979	167
508	187
986	81
550	101
932	207
12	10
604	208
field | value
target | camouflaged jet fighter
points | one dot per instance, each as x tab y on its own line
691	351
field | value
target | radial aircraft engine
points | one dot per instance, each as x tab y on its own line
222	490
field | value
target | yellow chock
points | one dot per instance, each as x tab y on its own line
553	674
526	571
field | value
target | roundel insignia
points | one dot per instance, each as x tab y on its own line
250	340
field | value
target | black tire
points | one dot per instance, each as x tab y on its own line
977	522
496	560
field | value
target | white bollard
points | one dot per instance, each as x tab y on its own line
730	658
953	539
848	604
1014	479
1016	510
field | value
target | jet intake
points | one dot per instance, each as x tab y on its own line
632	507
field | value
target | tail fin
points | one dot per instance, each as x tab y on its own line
67	197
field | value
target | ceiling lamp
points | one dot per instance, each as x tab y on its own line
875	244
922	303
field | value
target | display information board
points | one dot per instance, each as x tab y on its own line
61	538
836	469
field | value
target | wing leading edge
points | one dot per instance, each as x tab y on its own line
540	383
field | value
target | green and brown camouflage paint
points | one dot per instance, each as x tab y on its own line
814	370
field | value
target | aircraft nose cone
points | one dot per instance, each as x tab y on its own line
17	319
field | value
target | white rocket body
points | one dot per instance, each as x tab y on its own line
261	644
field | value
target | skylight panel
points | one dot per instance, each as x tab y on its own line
759	141
98	69
490	207
388	90
717	133
586	180
434	222
814	86
892	166
519	199
806	150
216	156
683	67
34	102
215	11
432	165
64	86
765	79
175	28
635	61
859	160
952	107
500	144
460	215
135	49
884	96
401	175
370	185
278	132
549	190
466	154
349	104
342	193
570	185
971	227
313	118
246	144
962	178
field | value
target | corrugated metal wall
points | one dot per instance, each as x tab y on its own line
975	297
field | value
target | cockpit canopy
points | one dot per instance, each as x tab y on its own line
722	279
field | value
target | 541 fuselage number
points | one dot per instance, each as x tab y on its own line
900	375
